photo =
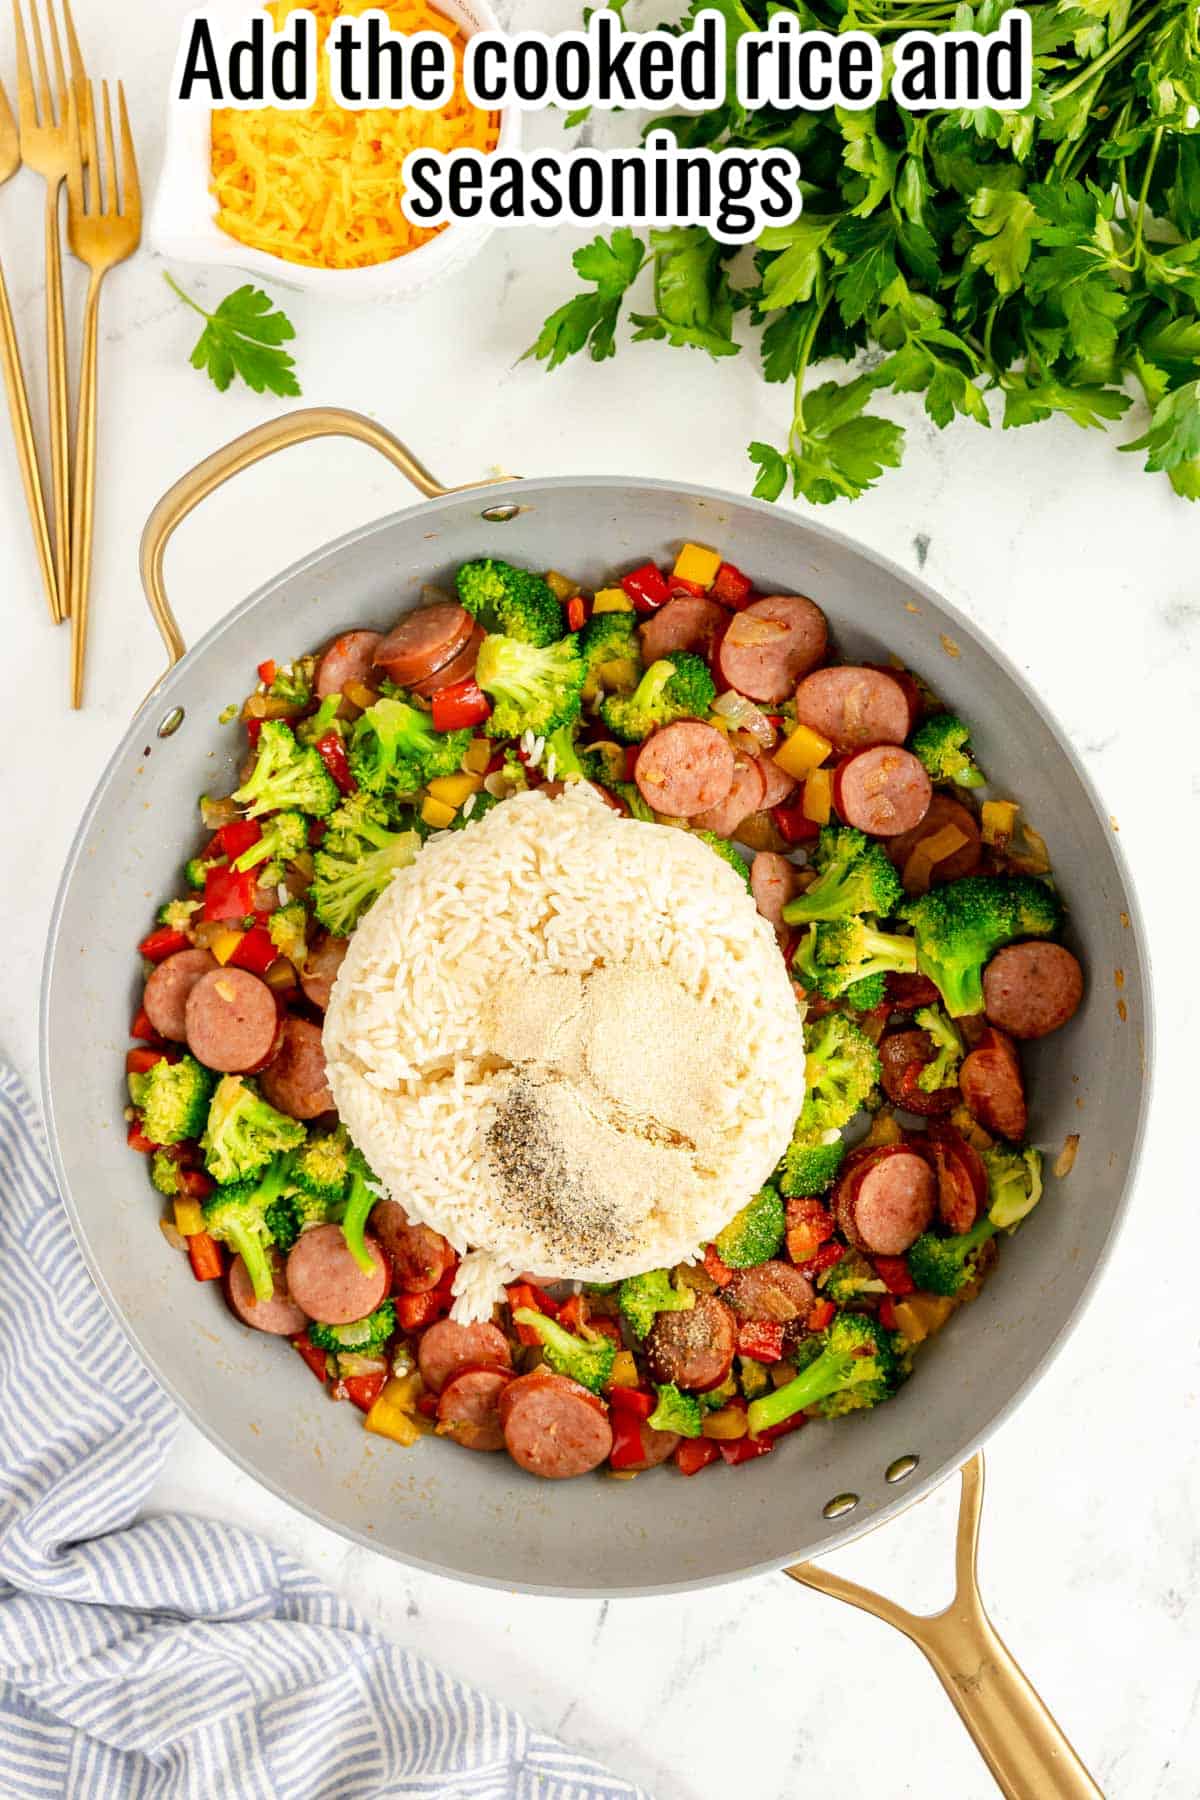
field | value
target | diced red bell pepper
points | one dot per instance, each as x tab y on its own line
631	1400
461	704
887	1314
609	1327
364	1390
680	585
137	1140
647	587
577	613
313	1357
266	671
138	1061
718	1270
574	1312
228	894
777	1431
195	1184
253	728
524	1293
204	1252
237	837
427	1405
731	587
760	1338
628	1449
163	943
893	1272
332	752
694	1454
793	826
414	1311
825	1258
255	952
143	1029
744	1449
819	1314
809	1226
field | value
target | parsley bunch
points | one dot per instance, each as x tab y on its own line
1049	256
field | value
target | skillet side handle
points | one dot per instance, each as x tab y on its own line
264	440
1014	1732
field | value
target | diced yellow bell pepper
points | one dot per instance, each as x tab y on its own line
729	1422
561	586
624	1370
999	820
818	796
407	1389
359	694
436	814
802	752
612	600
477	756
454	789
189	1220
696	563
223	943
920	1315
391	1414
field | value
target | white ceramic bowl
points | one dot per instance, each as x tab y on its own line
182	222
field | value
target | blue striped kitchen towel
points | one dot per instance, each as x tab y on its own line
176	1657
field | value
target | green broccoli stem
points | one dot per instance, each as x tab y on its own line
247	1243
831	1371
354	1221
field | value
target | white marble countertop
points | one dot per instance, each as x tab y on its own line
1088	574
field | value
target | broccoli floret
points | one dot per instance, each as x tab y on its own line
322	1166
288	1216
642	1297
959	925
286	776
532	687
283	838
855	1367
243	1133
394	748
360	1198
942	1072
359	854
561	761
809	1166
174	1100
677	687
856	876
836	956
1014	1185
612	654
196	872
236	1214
676	1412
865	995
850	1279
841	1066
753	1234
586	1360
164	1173
288	926
294	682
324	720
361	1337
631	794
724	849
178	914
513	601
944	1265
941	745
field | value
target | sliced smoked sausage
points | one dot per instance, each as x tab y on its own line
457	669
853	707
902	1057
468	1408
419	1255
693	1349
744	797
771	644
231	1020
684	768
942	811
423	641
320	969
348	658
778	787
961	1178
773	1291
1029	989
773	884
553	1427
990	1079
168	987
886	1201
295	1080
324	1279
448	1347
279	1315
882	791
685	623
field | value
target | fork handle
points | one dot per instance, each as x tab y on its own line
31	478
84	488
56	372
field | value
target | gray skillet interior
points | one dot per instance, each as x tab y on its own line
479	1517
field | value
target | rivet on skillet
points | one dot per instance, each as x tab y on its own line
170	722
840	1504
500	515
901	1469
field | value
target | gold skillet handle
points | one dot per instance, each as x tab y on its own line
264	440
1014	1732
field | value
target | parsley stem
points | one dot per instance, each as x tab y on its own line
1143	192
805	351
1093	68
186	298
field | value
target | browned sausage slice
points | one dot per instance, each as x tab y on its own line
553	1427
231	1020
777	787
423	641
324	1279
693	1349
990	1079
773	884
685	623
902	1056
168	987
882	791
1029	989
886	1201
684	768
657	1446
419	1255
295	1079
774	1291
771	645
279	1315
320	969
348	658
468	1409
853	707
448	1347
942	811
744	797
961	1178
457	669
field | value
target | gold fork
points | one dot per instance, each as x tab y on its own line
14	381
45	147
104	226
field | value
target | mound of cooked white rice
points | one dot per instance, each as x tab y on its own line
566	1040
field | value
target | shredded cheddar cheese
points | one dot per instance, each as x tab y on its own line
322	185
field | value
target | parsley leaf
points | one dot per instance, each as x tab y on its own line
692	293
242	338
1174	433
590	320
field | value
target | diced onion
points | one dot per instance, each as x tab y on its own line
1065	1160
173	1237
745	716
215	813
